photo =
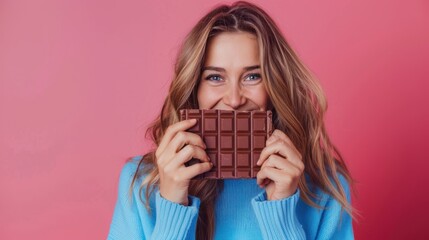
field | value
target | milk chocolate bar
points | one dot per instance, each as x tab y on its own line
234	140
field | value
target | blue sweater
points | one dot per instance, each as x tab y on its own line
241	212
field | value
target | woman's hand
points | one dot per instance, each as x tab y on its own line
175	149
282	167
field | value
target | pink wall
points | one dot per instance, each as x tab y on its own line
80	80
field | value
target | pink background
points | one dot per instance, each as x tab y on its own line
80	81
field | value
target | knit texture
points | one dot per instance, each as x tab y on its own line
276	218
242	211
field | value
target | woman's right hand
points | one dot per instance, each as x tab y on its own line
175	149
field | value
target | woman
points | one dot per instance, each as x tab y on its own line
236	58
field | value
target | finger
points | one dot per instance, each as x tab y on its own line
180	140
285	150
271	139
267	163
265	182
268	173
187	153
280	134
278	146
263	155
171	132
183	138
277	162
196	169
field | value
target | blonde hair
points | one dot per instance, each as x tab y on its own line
298	103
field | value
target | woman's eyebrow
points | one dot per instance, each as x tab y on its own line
219	69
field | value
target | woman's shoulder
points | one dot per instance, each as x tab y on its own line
343	183
129	171
131	165
318	190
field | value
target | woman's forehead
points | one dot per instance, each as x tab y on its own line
234	50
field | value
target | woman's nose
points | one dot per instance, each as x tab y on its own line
234	97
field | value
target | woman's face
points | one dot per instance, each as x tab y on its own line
231	77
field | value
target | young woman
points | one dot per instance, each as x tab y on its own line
236	58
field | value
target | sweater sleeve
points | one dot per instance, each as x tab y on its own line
173	220
277	218
335	222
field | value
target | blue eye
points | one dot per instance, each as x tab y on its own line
214	78
217	78
254	76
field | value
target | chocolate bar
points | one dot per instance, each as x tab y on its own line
234	140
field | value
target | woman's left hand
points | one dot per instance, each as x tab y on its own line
282	167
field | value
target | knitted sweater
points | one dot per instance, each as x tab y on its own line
242	211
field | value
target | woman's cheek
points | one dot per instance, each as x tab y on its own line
259	96
209	96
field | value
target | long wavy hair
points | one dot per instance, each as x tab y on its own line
299	105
